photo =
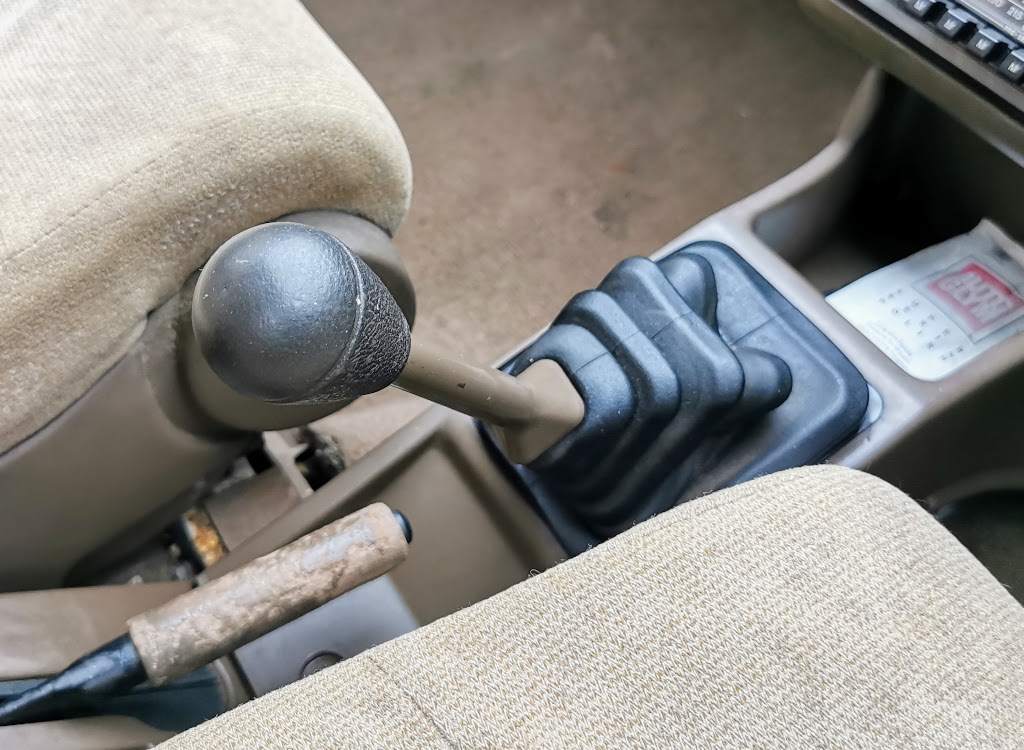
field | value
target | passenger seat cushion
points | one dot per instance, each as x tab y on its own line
136	137
820	607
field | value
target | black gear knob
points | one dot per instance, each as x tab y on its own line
288	314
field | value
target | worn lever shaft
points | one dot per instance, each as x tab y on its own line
529	413
213	620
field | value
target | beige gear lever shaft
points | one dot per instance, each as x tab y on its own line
528	414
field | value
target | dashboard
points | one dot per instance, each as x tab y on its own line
990	30
967	56
1005	15
978	42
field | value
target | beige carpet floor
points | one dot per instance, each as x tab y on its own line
552	138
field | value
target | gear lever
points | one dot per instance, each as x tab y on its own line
288	314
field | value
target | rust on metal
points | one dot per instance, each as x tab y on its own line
204	537
226	613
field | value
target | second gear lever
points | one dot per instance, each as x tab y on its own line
288	314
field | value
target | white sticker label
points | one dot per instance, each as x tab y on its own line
937	310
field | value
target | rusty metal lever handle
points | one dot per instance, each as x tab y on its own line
214	619
206	623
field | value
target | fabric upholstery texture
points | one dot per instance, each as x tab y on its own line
139	135
815	608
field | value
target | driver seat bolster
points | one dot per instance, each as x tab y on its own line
138	136
816	606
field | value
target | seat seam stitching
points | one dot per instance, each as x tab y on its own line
412	699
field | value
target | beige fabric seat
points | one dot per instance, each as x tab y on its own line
136	137
815	608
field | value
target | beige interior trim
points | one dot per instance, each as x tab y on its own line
474	534
100	733
42	632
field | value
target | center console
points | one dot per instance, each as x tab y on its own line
789	287
863	310
893	258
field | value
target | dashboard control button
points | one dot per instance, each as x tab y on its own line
1012	66
986	44
957	25
926	10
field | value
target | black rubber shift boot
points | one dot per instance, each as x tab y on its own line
696	375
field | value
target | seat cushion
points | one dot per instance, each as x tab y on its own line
136	137
815	608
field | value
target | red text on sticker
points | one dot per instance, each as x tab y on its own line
977	296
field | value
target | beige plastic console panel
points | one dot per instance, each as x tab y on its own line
97	733
42	632
103	467
474	534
